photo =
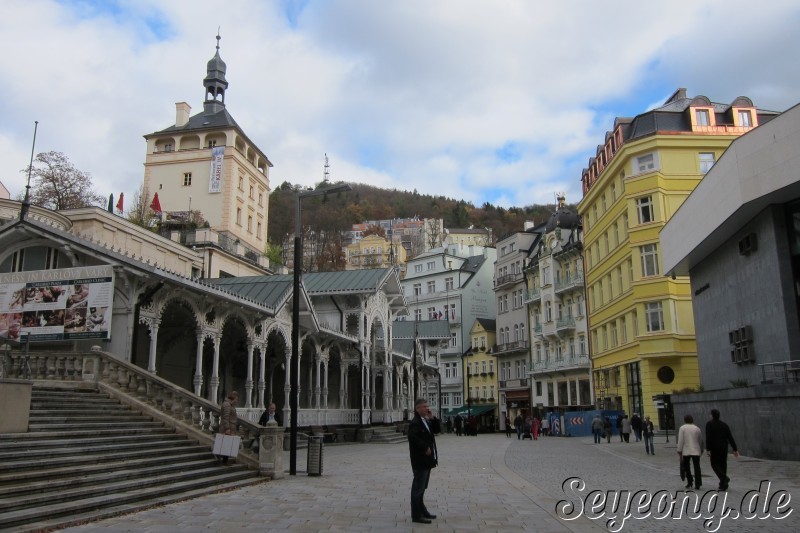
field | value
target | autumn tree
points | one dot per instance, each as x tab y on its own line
374	229
139	211
58	185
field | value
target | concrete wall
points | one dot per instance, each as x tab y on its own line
760	417
736	291
15	397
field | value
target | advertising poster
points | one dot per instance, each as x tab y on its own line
215	179
62	304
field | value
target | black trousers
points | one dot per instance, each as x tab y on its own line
418	486
697	480
719	464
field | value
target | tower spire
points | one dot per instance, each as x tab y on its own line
215	83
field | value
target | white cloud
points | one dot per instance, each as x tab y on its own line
408	95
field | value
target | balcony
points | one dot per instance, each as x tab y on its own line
514	384
508	278
537	330
569	362
569	283
513	346
565	324
533	295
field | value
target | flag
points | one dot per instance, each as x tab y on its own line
110	207
155	205
119	203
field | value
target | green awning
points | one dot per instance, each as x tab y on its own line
477	410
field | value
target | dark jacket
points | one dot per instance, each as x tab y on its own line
718	435
419	440
265	418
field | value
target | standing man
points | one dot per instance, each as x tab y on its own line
270	415
636	424
422	448
597	428
458	422
518	425
648	431
718	436
690	448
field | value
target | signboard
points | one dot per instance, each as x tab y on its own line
62	304
215	179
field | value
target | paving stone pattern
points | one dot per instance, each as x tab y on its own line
484	483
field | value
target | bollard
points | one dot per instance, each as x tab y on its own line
314	460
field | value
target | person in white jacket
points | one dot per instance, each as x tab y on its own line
690	448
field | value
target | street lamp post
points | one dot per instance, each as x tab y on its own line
294	370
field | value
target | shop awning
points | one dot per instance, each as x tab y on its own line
476	410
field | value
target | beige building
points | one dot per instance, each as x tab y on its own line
374	251
205	163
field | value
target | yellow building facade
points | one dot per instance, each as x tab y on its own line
374	251
641	323
481	375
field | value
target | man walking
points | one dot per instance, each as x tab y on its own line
649	431
422	448
458	422
718	436
518	426
636	424
690	448
597	428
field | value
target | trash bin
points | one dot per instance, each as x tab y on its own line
314	461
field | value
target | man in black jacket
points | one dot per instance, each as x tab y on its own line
422	448
718	435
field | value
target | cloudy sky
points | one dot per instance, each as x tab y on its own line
499	101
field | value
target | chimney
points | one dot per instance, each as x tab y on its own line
528	225
182	112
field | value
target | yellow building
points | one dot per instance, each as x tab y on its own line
480	376
641	321
374	251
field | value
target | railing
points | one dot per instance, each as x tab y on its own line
513	383
508	278
570	361
562	285
533	294
511	346
781	372
133	385
565	323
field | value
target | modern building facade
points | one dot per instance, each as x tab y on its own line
561	373
737	236
452	284
642	334
513	344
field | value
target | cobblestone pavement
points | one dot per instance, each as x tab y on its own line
484	483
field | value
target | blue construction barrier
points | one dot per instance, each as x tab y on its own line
579	423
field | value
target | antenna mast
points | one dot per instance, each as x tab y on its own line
326	174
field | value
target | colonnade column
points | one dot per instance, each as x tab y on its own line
198	372
214	388
317	383
153	324
248	384
262	352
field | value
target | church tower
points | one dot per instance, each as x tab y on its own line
205	163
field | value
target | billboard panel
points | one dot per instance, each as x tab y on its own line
61	304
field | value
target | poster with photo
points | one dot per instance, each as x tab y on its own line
62	304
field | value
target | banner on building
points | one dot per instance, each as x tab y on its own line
215	181
62	304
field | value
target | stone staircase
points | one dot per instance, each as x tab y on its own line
87	456
387	435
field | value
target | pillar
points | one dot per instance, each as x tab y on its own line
198	372
151	361
248	384
214	388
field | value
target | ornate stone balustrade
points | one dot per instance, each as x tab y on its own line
152	395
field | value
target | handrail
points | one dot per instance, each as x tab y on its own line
196	414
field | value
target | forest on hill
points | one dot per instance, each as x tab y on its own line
339	211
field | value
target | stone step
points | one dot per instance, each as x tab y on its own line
39	445
24	477
72	512
95	425
84	414
22	461
79	433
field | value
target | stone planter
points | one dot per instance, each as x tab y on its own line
15	396
364	434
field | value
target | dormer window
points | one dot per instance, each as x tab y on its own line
701	117
745	118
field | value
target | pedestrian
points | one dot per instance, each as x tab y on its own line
229	421
535	428
718	436
422	449
636	425
607	427
649	431
518	426
270	415
526	431
449	424
626	428
546	426
619	426
597	428
690	448
508	427
458	423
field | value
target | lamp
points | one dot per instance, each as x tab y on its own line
294	371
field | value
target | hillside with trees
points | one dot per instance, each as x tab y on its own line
339	211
